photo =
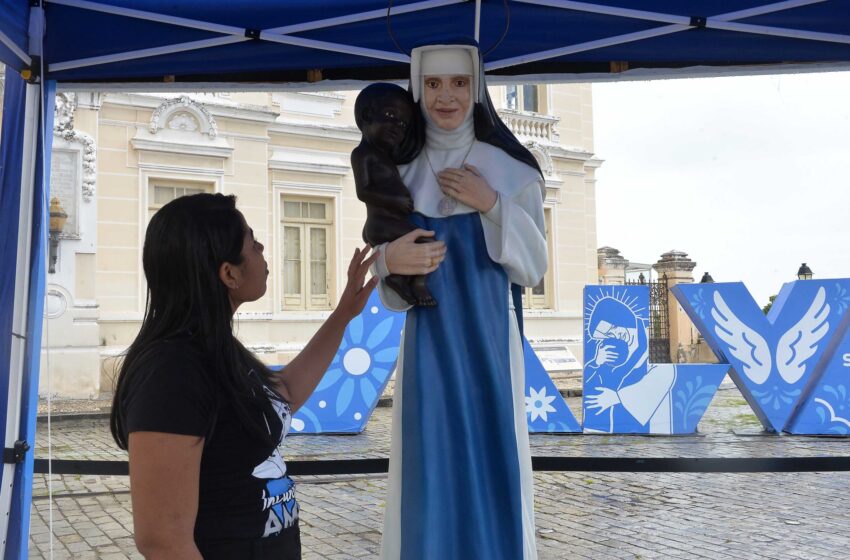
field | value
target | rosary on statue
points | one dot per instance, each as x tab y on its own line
448	203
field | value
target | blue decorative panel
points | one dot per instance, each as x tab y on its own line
694	387
546	411
776	359
825	405
623	392
358	374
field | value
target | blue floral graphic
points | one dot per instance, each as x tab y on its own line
842	299
700	304
776	397
358	374
691	398
545	408
833	409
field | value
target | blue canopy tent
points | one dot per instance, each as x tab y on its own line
250	44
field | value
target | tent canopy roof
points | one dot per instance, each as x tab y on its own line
307	40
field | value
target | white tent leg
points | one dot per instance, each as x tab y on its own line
19	317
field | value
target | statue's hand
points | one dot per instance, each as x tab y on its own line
406	256
468	186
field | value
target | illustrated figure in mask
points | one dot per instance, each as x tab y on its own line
624	394
460	482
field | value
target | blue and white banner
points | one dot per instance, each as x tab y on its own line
623	392
789	365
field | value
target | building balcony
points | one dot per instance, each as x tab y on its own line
532	127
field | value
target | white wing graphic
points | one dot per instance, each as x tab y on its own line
745	343
801	341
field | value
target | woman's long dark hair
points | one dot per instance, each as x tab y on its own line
186	243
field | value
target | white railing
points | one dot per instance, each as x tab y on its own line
531	126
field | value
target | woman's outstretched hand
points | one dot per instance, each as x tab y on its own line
299	379
356	294
406	256
468	186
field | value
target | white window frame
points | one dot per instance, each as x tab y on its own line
147	177
547	300
332	194
520	101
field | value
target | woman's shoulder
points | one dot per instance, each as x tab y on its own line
183	348
174	360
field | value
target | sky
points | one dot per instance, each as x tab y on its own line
748	175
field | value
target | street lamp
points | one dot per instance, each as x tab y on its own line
58	217
706	279
804	272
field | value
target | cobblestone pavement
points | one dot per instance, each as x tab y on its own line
579	515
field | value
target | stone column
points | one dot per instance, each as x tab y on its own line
678	268
612	266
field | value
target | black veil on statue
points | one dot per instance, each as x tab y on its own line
489	128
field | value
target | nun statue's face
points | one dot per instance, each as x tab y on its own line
447	99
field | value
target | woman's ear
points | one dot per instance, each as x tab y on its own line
230	275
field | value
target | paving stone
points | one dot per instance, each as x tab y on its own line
642	516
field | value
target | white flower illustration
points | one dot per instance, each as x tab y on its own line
538	404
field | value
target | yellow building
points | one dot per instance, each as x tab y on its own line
119	156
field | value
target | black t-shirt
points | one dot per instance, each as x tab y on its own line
244	489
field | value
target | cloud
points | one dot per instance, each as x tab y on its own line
746	174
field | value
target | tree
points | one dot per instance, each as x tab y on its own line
767	307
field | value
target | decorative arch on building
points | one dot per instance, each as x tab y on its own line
183	114
541	154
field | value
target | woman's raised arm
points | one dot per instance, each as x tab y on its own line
301	376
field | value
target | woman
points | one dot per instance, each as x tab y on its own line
460	470
202	417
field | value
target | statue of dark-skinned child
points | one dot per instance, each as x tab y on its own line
385	114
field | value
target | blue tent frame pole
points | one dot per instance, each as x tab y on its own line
32	167
20	314
17	540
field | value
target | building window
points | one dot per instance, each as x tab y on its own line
162	192
540	296
522	98
307	253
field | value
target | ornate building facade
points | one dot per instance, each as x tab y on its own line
118	157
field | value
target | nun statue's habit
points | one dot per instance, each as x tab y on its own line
460	482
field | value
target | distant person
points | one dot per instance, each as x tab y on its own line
201	417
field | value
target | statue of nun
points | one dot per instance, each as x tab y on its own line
460	482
